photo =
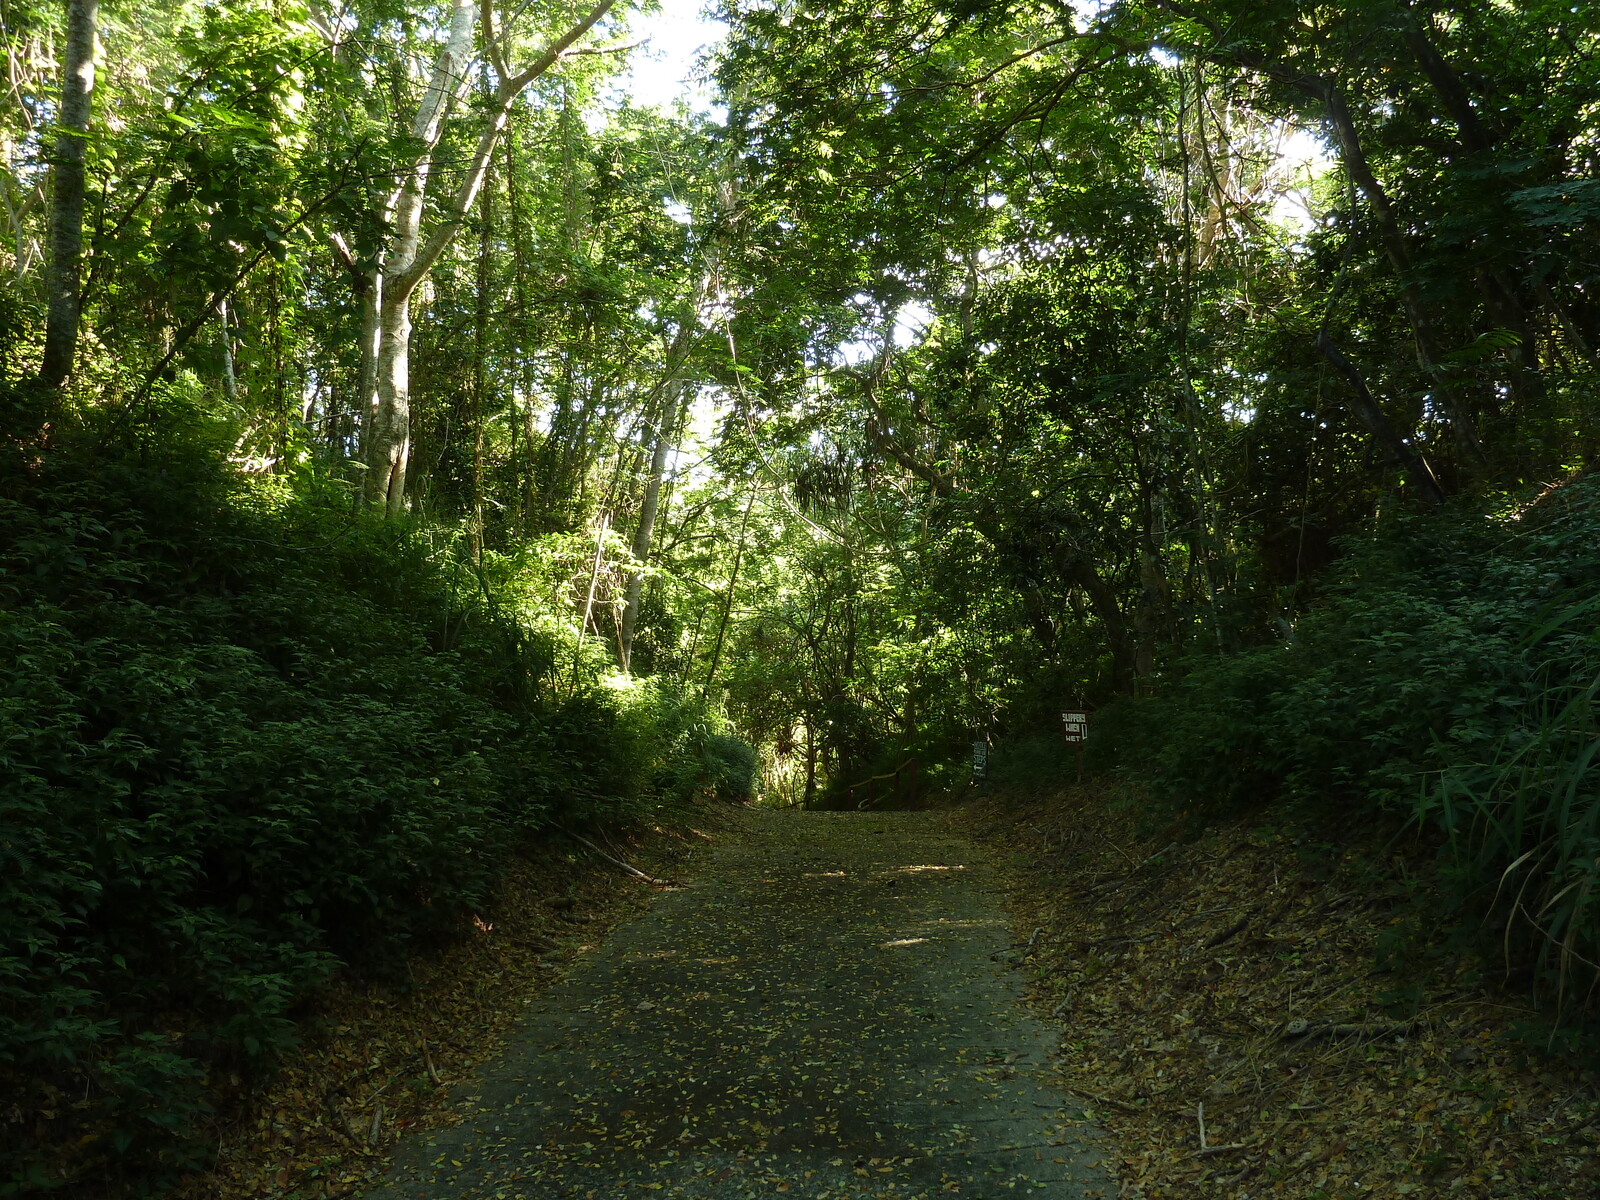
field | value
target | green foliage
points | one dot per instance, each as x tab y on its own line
728	765
691	748
1451	673
1031	764
1524	825
991	375
246	742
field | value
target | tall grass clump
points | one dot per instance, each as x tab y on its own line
1522	823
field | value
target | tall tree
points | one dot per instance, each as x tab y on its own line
408	256
64	271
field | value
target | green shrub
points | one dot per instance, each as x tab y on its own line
1031	764
1449	672
246	742
728	766
695	751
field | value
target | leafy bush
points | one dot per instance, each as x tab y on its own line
1449	672
1032	764
696	750
728	766
247	742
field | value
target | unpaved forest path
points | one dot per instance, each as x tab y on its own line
817	1015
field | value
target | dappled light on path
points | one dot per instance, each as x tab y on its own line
818	1014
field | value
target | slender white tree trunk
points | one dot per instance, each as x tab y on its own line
230	381
386	474
410	257
371	343
644	534
670	415
66	217
389	436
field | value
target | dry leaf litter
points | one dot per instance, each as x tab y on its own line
1223	1014
380	1060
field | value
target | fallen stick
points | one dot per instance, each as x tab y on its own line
615	861
1201	916
1237	1176
427	1061
1119	943
1122	852
1302	1029
1099	1099
1228	934
1231	1146
1156	855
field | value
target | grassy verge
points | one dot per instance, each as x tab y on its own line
253	747
1270	982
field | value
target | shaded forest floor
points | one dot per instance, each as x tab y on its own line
380	1059
1253	1013
1258	980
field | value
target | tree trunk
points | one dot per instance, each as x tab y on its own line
409	258
480	370
371	289
671	414
1103	604
230	381
389	447
727	604
1354	157
66	217
389	442
1368	412
645	533
1446	82
810	798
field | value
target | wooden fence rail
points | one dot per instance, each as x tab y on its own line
903	779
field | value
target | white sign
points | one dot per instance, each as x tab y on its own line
1074	725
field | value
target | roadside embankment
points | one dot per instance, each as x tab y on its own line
382	1058
1255	1012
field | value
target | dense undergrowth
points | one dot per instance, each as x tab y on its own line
1448	674
247	743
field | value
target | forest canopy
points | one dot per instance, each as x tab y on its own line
410	444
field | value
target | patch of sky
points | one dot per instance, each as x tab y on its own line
690	461
911	324
668	68
854	353
1302	158
1089	11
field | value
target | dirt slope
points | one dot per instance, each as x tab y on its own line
1270	984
